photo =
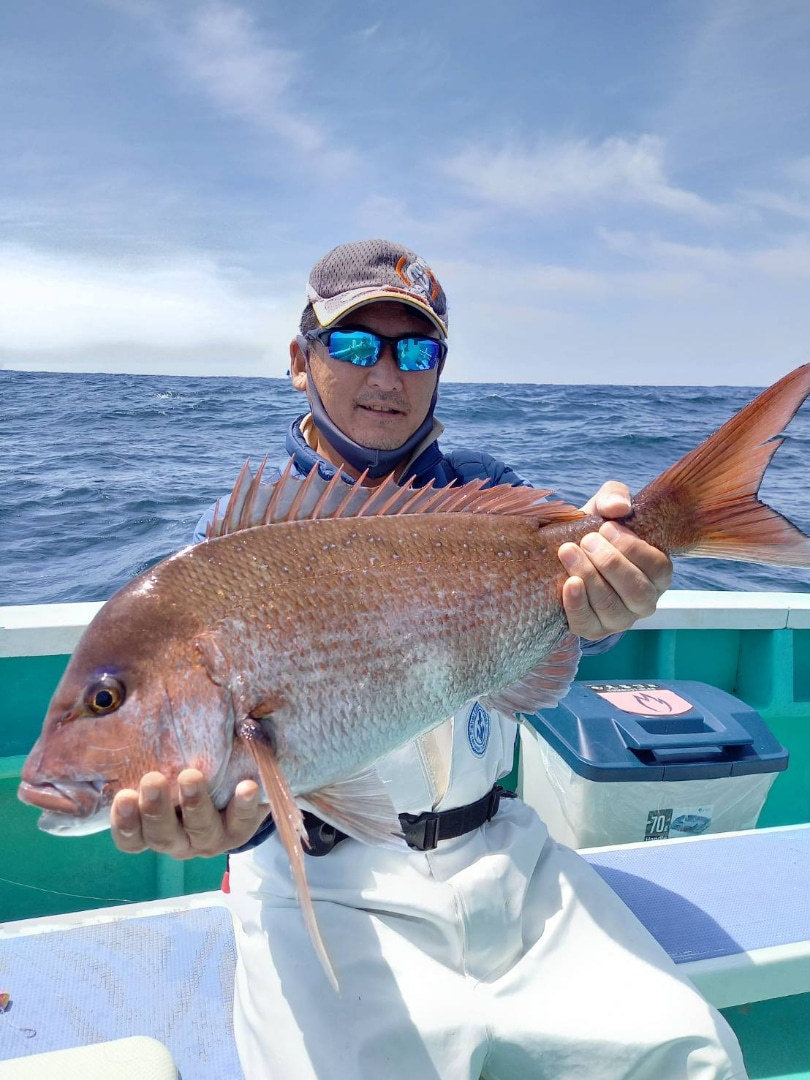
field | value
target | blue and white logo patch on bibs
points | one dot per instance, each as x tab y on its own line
478	729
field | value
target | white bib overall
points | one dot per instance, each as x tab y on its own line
499	954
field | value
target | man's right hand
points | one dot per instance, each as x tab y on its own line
147	819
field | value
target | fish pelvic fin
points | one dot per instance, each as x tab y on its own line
291	498
289	823
543	686
359	807
706	504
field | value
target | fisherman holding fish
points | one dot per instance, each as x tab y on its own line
475	946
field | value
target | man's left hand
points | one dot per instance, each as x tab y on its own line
615	577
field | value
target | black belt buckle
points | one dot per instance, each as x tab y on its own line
321	836
421	830
495	797
494	802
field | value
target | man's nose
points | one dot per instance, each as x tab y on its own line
385	374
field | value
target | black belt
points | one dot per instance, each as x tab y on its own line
422	831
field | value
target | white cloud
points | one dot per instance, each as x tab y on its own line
782	204
673	315
218	49
652	248
799	170
59	308
792	196
666	313
572	172
790	259
446	225
556	290
369	31
221	51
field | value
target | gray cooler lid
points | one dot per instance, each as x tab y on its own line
658	730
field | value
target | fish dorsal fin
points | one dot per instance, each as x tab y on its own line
291	498
542	687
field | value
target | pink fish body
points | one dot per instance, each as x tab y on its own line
347	637
323	626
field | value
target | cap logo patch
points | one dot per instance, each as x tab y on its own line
418	276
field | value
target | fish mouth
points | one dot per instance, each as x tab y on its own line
77	800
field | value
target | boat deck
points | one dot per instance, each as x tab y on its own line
732	909
165	969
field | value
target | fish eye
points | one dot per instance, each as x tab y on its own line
105	696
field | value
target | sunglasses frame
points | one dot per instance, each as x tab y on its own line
323	337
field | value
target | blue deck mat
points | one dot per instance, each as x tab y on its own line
168	976
171	976
717	897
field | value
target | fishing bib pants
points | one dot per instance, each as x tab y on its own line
500	954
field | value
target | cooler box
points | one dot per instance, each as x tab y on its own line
620	762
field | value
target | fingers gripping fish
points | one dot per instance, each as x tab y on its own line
323	625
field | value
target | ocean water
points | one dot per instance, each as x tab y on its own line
102	475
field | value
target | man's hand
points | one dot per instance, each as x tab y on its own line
147	819
615	577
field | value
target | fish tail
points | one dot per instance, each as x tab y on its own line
706	504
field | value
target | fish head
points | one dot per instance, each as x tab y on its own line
134	698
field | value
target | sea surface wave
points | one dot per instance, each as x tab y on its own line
102	475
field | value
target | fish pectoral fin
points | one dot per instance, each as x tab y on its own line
290	827
542	687
212	657
360	807
269	704
221	670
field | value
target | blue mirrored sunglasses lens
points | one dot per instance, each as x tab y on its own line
418	353
354	347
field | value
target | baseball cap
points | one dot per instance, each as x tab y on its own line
355	274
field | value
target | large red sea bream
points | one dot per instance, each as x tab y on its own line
321	626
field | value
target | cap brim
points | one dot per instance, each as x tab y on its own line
328	310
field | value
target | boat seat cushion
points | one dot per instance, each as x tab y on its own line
136	1058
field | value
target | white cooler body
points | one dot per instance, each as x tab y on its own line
587	813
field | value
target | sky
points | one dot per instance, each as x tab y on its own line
608	192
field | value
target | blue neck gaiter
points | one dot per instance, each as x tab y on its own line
378	462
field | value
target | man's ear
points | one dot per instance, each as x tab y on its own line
298	363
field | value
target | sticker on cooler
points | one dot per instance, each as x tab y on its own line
658	822
664	824
690	821
645	700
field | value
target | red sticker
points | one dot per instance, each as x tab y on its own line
647	702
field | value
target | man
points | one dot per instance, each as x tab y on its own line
487	949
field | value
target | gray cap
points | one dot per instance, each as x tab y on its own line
355	274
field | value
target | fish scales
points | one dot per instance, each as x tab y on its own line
420	613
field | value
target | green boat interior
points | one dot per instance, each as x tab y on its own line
729	902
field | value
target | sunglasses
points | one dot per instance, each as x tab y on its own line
413	352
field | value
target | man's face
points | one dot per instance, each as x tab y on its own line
380	406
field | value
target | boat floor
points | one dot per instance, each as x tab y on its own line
165	968
160	969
